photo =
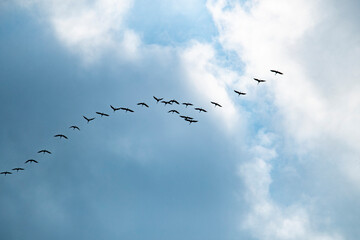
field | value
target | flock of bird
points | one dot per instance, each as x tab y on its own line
161	100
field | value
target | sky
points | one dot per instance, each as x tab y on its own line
280	163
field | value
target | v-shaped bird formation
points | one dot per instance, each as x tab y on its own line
141	104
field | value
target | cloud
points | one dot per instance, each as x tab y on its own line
89	28
266	219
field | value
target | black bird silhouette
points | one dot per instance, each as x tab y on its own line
239	93
200	109
174	101
6	172
191	121
259	80
31	160
276	72
88	119
166	102
216	104
102	114
143	104
173	111
185	117
17	169
127	109
114	108
44	151
158	99
187	104
61	136
75	127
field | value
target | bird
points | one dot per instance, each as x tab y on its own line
239	93
127	109
174	101
88	119
157	99
102	114
31	160
61	136
44	151
259	80
166	102
75	127
216	104
187	104
185	117
276	72
17	169
191	121
173	111
143	104
200	109
6	172
114	108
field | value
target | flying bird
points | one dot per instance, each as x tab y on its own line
102	114
44	151
6	172
88	119
259	80
200	109
17	169
157	99
114	108
239	93
174	101
187	104
31	160
75	127
191	121
61	136
276	72
127	109
143	104
216	104
166	102
185	117
173	111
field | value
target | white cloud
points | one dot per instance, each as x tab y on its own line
266	219
89	28
317	97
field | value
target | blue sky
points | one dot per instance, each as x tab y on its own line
279	163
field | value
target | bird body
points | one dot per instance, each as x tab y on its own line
88	119
173	111
143	104
17	169
127	109
239	93
200	109
61	136
166	102
114	108
174	101
75	127
216	104
187	104
276	72
44	151
31	160
102	114
259	80
157	99
191	121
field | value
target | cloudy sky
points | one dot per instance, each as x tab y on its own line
281	163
